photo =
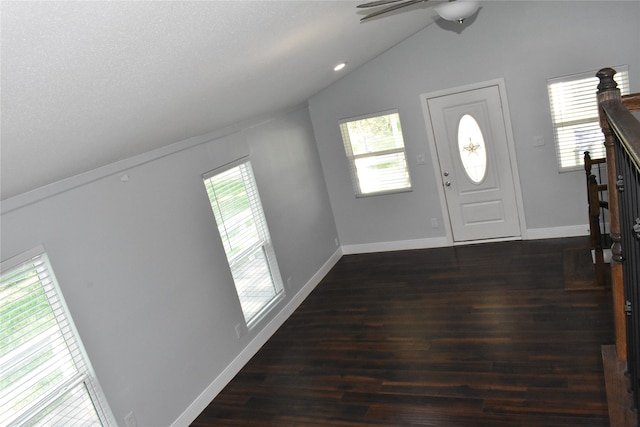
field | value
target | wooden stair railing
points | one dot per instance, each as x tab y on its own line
620	124
596	204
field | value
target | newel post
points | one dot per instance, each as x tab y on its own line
608	91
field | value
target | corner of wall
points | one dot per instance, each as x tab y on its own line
201	402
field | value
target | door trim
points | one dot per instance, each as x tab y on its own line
499	82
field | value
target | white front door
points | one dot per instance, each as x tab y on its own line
475	164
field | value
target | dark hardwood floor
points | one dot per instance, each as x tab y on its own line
481	335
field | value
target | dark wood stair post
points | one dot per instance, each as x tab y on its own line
595	206
608	90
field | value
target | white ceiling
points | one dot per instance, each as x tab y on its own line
84	84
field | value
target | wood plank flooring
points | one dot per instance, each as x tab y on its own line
481	335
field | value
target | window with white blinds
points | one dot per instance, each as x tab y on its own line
45	376
376	153
574	113
234	198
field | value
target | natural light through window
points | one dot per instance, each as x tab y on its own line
574	113
236	206
46	379
376	153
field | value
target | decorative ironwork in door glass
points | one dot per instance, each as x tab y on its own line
472	149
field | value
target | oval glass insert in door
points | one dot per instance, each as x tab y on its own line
472	149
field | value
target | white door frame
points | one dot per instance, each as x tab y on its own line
510	146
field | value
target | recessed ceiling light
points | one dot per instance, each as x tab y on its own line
340	66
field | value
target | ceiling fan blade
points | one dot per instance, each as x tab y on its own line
390	8
377	3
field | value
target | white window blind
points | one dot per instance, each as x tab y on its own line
376	153
236	205
45	377
574	113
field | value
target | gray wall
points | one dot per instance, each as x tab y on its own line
141	264
143	270
523	42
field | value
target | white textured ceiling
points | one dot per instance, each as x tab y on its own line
84	84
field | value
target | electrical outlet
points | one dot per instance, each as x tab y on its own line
336	241
130	420
289	283
239	330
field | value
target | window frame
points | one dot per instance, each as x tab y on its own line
264	244
85	375
353	158
588	124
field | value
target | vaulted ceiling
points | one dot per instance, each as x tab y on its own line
85	84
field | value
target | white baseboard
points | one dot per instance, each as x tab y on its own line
397	245
202	401
606	254
556	232
438	242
